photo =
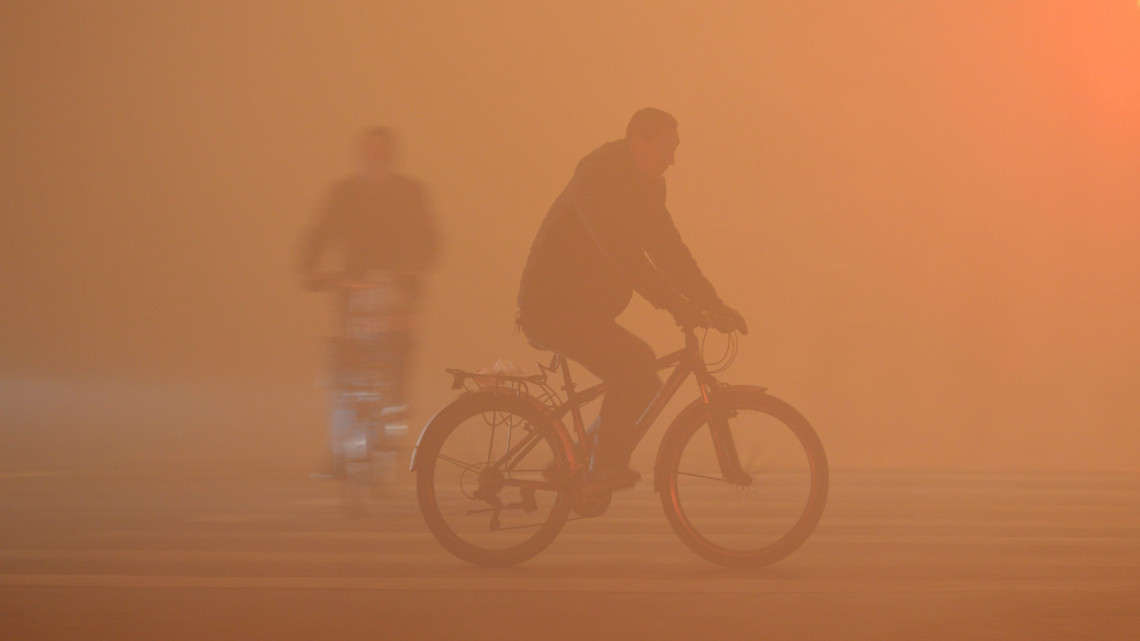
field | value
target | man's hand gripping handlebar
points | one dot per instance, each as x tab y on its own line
724	319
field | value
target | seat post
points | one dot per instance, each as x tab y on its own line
571	395
568	383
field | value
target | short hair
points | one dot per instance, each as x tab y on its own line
384	133
648	122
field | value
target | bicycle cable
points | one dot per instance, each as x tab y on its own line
727	359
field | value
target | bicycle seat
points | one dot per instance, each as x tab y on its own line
541	348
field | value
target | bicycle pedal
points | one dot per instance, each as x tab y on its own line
529	504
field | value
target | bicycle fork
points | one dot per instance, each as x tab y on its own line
723	443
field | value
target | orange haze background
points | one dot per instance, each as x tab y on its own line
928	212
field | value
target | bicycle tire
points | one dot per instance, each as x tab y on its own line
792	493
446	520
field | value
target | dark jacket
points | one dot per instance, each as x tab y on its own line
375	225
607	235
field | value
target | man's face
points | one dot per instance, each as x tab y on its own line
375	153
654	154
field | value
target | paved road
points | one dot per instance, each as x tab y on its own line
224	555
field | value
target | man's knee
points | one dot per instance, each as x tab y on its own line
648	385
640	373
644	365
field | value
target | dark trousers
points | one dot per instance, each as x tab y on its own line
625	362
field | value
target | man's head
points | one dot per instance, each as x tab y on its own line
653	139
377	149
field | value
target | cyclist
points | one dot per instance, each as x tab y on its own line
608	234
372	222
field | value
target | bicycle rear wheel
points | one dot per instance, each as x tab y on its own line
486	473
757	520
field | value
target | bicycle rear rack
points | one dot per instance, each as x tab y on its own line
521	385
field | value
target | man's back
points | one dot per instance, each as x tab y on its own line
566	270
376	224
607	234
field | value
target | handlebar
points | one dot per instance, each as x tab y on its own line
695	345
727	321
354	280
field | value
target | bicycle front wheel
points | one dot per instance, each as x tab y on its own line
753	519
487	475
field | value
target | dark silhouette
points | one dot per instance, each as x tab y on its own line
498	472
373	240
608	234
378	219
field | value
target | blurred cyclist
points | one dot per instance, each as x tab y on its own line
607	235
373	225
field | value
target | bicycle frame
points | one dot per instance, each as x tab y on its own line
685	362
510	435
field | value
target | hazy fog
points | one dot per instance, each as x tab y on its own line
928	212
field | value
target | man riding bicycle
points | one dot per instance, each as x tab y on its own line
608	234
377	226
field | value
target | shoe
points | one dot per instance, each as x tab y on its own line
611	479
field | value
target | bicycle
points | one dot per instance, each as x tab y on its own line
742	476
367	424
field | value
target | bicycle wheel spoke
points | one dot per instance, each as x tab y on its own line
755	522
491	442
498	510
720	479
456	462
517	453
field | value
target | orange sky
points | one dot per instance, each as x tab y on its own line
926	211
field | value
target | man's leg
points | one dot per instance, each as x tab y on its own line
629	366
625	362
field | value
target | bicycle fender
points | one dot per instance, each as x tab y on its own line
420	438
690	413
529	401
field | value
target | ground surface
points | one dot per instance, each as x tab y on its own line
227	553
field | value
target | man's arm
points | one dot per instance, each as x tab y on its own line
426	240
669	253
319	236
602	203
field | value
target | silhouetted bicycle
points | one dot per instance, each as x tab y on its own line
367	430
742	476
